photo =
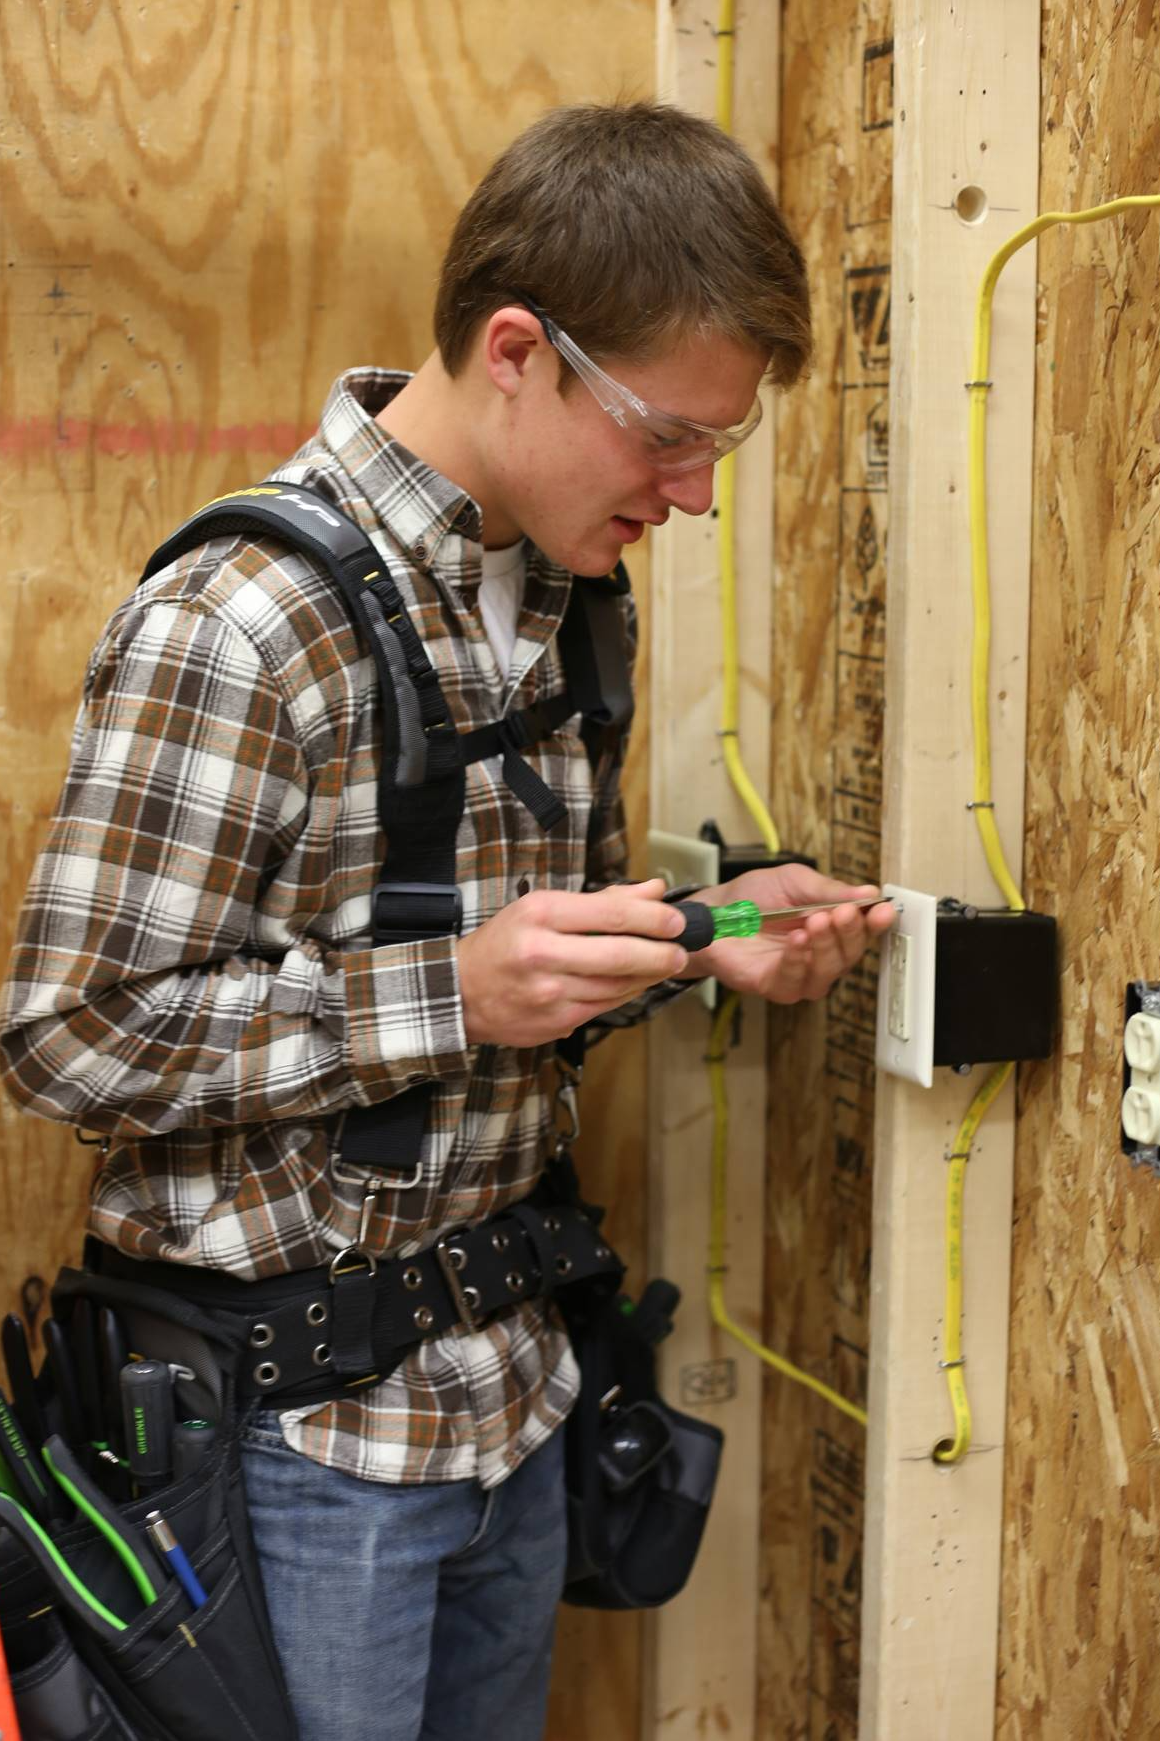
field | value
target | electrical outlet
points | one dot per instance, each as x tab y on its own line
898	988
905	1043
1140	1111
680	859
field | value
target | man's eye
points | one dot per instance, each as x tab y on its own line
664	440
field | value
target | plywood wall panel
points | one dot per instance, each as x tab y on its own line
832	451
206	212
1080	1602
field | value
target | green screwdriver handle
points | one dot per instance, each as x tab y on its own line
704	925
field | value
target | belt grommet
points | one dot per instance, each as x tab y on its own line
424	1317
261	1335
268	1372
412	1277
552	1223
321	1355
500	1241
316	1313
515	1281
472	1297
563	1265
456	1257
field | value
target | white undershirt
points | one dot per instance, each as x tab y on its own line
501	594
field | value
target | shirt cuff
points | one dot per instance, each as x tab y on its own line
404	1016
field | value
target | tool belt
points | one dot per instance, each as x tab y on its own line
105	1639
316	1334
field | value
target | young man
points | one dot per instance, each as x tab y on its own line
194	975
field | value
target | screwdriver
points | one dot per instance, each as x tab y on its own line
705	925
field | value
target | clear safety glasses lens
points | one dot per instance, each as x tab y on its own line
671	443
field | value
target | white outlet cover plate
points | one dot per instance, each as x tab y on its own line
680	858
917	920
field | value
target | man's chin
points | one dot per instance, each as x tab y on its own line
601	554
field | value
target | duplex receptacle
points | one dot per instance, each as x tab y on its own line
905	1042
1140	1107
898	988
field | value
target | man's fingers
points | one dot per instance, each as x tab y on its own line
624	958
627	909
837	940
601	994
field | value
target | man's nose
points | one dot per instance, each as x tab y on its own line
691	491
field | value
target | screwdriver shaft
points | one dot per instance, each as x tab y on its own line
820	907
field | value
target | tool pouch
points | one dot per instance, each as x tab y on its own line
176	1672
57	1698
640	1475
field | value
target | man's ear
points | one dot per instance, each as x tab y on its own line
512	346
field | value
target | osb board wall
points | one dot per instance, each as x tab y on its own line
206	212
832	454
1080	1596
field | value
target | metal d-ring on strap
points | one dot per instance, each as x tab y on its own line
356	1256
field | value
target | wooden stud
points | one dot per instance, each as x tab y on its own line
966	115
701	1658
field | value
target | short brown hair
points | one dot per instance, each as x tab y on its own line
633	225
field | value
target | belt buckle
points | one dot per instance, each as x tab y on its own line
451	1258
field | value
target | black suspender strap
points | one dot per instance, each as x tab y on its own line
592	650
422	783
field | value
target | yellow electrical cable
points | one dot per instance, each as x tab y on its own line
730	660
726	522
717	1267
730	710
978	388
951	1450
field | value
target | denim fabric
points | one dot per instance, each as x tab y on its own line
420	1613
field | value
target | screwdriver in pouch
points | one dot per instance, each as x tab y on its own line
147	1405
705	925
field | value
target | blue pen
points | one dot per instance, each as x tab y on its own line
167	1544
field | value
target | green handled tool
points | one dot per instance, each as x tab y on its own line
705	925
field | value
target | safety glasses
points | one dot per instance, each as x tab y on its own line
670	443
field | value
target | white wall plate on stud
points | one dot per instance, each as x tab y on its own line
680	859
905	1043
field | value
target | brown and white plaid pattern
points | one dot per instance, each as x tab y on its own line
192	975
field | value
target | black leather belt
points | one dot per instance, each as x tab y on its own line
316	1334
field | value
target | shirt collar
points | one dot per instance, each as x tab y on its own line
417	504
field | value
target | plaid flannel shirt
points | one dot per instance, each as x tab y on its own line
193	976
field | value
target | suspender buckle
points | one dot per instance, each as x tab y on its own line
451	1257
406	912
516	731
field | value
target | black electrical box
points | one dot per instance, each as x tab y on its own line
734	861
995	985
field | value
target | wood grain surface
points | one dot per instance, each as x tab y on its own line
1080	1594
206	212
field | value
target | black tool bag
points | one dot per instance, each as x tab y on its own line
177	1671
640	1475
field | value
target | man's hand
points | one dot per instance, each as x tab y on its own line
553	960
792	959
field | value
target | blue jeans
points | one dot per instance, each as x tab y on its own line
420	1613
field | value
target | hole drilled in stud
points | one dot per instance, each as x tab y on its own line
971	204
